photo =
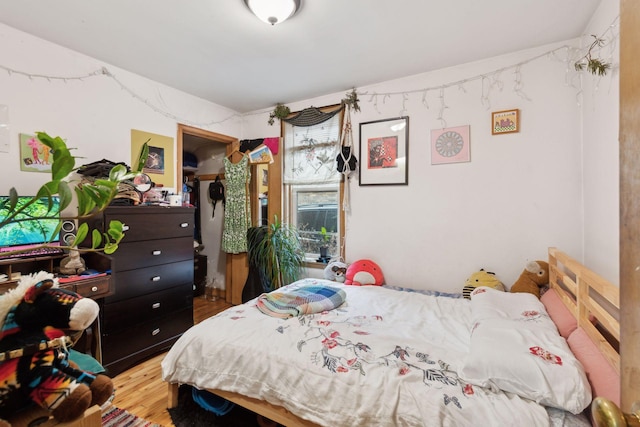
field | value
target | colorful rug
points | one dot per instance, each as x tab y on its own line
116	417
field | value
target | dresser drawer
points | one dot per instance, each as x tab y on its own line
150	306
146	223
134	255
133	283
97	287
137	338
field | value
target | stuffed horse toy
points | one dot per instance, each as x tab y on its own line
35	319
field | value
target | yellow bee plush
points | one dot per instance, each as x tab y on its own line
481	278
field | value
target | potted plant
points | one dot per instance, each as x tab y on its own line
275	256
90	197
325	241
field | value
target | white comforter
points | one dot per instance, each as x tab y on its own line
384	358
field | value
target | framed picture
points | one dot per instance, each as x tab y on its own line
261	154
507	121
34	155
450	145
384	152
160	162
155	161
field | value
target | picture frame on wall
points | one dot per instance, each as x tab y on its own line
450	145
34	155
384	152
506	121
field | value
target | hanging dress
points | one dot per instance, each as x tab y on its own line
237	213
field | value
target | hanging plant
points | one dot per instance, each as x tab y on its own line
280	112
594	65
352	100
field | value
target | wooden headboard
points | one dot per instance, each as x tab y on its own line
594	302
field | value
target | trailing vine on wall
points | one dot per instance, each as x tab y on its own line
352	100
595	66
280	112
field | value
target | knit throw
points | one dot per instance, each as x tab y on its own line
303	300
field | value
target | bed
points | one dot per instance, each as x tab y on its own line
396	357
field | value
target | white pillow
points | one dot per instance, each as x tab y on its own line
515	347
488	303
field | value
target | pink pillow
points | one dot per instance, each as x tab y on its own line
559	313
604	380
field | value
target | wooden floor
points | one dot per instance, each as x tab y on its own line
141	391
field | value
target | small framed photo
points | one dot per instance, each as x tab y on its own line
261	154
384	152
507	121
34	155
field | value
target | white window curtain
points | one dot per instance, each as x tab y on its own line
310	153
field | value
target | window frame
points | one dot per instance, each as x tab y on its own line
278	190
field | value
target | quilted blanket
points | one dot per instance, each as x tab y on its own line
384	358
297	301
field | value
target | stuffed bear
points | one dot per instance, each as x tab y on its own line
34	361
335	271
481	278
364	272
534	276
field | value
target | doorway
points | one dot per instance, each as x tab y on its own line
226	271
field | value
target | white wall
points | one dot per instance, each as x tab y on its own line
94	114
600	109
520	194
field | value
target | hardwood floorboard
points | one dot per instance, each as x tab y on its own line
141	391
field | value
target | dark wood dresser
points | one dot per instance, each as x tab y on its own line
152	275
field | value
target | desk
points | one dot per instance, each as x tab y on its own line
93	287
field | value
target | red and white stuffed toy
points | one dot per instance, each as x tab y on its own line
364	272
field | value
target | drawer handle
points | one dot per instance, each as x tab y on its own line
94	289
184	225
155	305
195	267
155	278
155	331
156	252
125	227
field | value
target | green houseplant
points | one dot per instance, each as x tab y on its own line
325	240
275	251
91	198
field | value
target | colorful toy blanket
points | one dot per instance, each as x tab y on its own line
306	299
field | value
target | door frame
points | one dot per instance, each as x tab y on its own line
237	267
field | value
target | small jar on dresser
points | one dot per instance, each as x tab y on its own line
152	274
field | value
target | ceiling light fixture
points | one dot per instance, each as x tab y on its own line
273	11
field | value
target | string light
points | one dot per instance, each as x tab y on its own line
405	98
567	54
424	99
104	72
443	106
488	81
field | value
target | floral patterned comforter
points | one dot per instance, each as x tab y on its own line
384	358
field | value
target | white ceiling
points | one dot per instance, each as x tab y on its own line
219	51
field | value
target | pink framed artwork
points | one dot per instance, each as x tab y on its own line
450	145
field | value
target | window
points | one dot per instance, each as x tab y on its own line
315	209
311	184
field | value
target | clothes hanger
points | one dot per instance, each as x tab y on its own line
233	156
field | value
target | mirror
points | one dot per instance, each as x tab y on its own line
260	174
142	182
